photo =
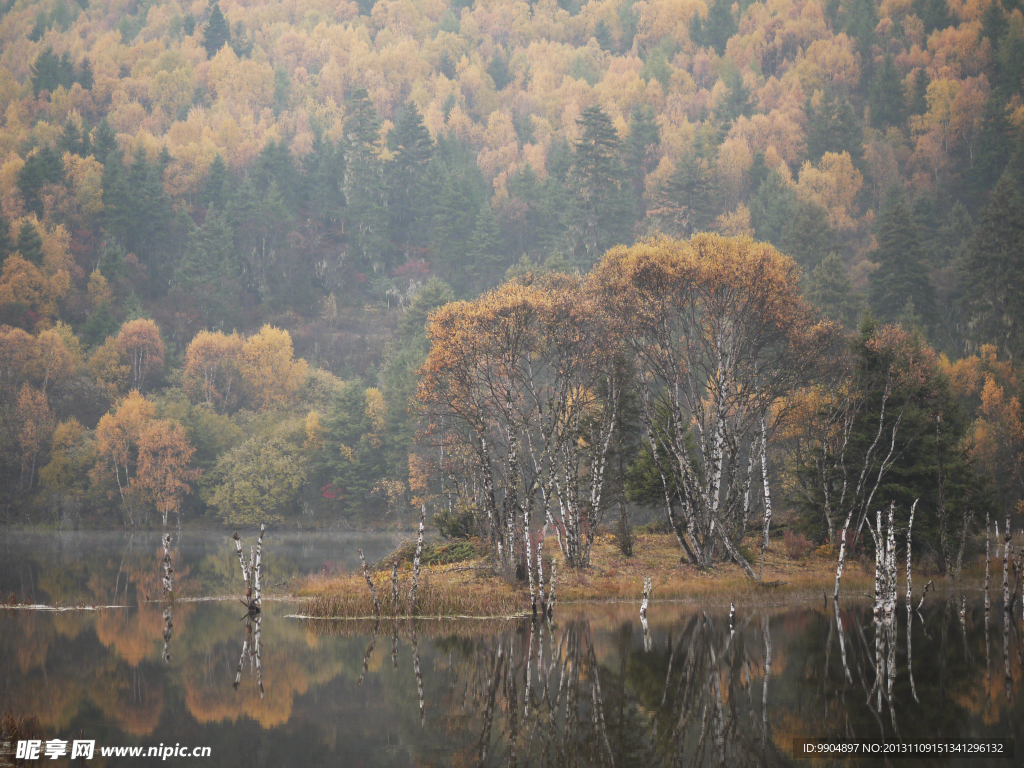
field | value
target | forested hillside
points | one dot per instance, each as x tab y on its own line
223	226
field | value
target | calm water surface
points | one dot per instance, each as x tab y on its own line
591	689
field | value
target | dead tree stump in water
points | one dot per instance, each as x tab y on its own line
251	571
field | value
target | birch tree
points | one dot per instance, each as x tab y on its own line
521	392
719	334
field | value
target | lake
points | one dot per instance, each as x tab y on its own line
592	688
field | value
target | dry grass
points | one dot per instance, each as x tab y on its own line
444	590
473	589
15	728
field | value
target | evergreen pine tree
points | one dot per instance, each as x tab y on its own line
117	202
757	172
71	139
484	258
720	25
365	193
715	31
860	23
832	127
208	273
499	71
810	237
277	165
934	14
282	89
993	23
104	141
454	217
831	290
213	189
901	273
601	212
735	104
689	201
887	97
42	167
208	255
995	143
992	277
100	324
85	76
603	35
1009	74
217	33
408	205
773	207
30	244
113	263
325	171
642	150
532	220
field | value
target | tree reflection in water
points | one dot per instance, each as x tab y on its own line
539	696
251	650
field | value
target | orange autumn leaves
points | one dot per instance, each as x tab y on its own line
221	370
147	458
997	437
136	458
712	330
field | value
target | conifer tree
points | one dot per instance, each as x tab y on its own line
113	264
772	209
642	149
736	103
484	257
30	244
601	208
411	148
688	201
831	290
454	216
325	171
603	35
832	127
887	96
365	193
208	271
217	33
861	19
42	167
213	189
901	273
85	76
934	14
715	31
992	277
104	141
995	143
73	140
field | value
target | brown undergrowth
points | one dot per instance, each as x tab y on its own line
472	588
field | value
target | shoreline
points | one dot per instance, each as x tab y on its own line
473	589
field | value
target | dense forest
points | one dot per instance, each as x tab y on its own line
224	227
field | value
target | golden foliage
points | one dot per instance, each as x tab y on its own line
271	373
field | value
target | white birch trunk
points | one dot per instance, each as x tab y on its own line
416	561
